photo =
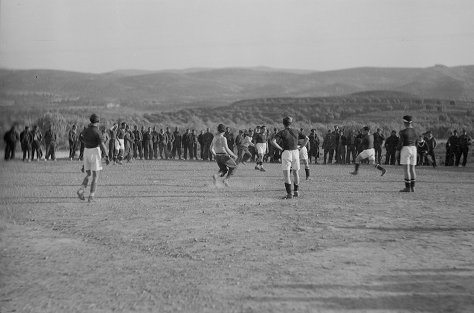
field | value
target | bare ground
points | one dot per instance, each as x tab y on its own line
162	238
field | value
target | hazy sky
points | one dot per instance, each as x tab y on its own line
106	35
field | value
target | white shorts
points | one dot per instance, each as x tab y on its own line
290	159
367	154
121	144
92	159
303	153
408	155
261	148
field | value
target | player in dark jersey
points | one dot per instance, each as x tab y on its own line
94	148
290	157
368	152
407	150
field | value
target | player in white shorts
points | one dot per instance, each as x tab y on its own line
368	152
94	147
407	151
290	157
304	156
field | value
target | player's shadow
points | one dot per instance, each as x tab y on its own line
425	290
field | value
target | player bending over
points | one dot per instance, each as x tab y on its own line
223	155
368	152
94	145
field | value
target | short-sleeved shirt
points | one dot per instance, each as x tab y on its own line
408	138
289	138
92	137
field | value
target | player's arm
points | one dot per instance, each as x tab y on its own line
276	145
305	141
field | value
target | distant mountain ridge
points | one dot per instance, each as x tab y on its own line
224	86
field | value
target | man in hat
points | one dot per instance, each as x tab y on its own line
368	152
93	149
407	151
290	157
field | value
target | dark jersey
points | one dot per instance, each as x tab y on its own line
91	137
289	138
367	142
408	137
260	138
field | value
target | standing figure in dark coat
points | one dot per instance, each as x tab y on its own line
391	145
177	143
50	144
207	139
73	138
11	138
36	144
26	139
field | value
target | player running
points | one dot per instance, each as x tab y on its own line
368	152
94	146
261	147
223	155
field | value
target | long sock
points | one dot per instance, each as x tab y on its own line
307	172
412	184
288	188
407	183
85	182
379	167
356	167
295	187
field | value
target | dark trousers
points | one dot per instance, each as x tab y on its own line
177	151
50	151
328	153
390	156
206	153
378	154
155	150
463	151
351	154
10	148
431	154
186	148
148	150
137	150
163	150
341	155
112	155
72	149
194	150
26	152
35	147
226	165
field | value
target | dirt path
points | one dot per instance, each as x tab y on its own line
162	238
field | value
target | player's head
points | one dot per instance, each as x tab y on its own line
94	118
221	128
407	120
287	121
366	129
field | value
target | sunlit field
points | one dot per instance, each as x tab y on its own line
160	237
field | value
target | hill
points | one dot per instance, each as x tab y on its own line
195	87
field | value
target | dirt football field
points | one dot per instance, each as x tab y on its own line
161	237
